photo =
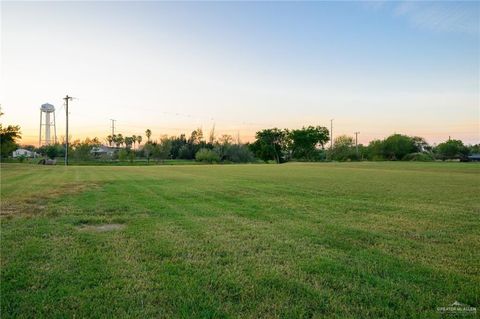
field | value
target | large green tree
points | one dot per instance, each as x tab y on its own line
82	149
452	149
161	150
343	149
148	149
305	141
178	143
8	139
270	144
374	150
396	146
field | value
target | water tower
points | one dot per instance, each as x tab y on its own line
46	111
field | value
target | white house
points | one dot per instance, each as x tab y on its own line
102	150
23	152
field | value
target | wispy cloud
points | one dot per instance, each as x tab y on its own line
442	16
374	5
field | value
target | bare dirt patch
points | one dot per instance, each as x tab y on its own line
100	228
34	205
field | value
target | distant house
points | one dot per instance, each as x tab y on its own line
102	150
474	158
23	152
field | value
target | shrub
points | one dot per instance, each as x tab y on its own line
206	155
238	154
131	156
186	152
122	155
418	157
53	150
343	149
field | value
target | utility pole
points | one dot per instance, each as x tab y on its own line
356	141
66	98
113	126
331	134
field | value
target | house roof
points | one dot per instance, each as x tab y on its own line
102	149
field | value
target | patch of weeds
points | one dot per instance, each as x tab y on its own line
101	227
97	220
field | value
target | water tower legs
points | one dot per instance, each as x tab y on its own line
46	122
40	134
47	127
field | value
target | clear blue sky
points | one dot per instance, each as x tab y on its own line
375	67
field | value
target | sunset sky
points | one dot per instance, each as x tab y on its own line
374	67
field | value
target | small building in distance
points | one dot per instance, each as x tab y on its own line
474	158
23	152
102	150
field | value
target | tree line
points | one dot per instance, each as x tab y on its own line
196	147
308	143
130	148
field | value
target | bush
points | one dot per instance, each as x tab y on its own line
53	150
238	154
377	158
418	157
131	156
206	155
343	149
82	152
122	155
186	152
320	155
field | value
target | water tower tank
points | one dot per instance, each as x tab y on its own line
45	111
47	108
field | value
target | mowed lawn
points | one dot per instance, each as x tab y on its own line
334	240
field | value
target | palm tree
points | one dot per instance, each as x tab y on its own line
120	140
109	140
114	139
128	142
139	140
148	133
134	140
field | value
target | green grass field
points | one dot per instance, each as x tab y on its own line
346	240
